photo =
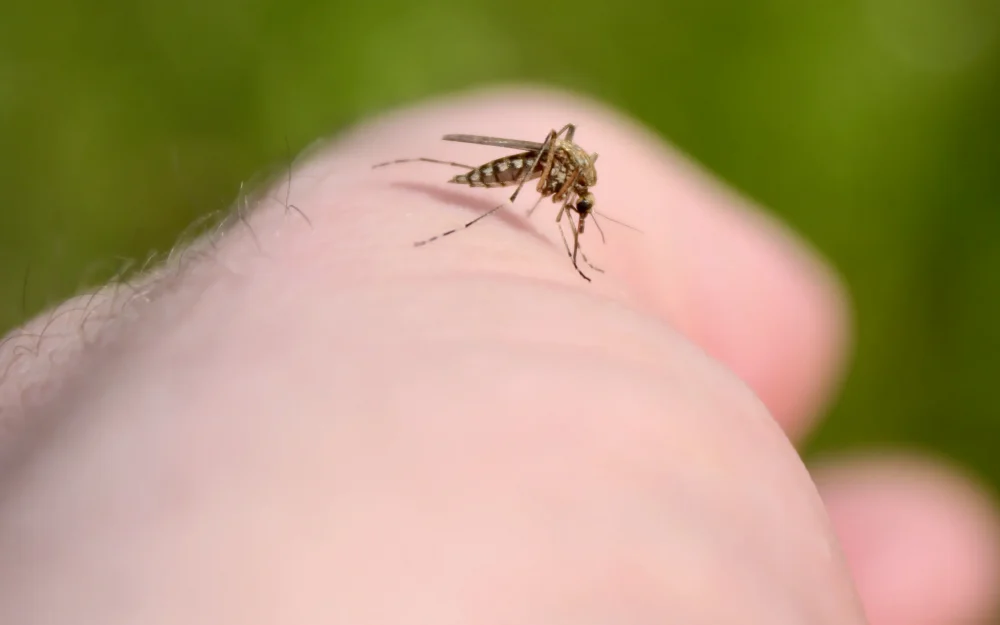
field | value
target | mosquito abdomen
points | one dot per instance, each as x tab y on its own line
503	172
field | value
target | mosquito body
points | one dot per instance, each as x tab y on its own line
565	173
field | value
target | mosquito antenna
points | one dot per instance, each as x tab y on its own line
599	229
620	223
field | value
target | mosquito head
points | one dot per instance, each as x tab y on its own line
585	204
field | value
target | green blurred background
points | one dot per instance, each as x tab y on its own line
872	126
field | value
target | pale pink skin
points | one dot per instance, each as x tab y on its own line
337	427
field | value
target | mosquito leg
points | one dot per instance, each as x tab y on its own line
424	160
565	208
550	159
576	244
530	167
589	264
569	252
544	178
454	230
570	130
535	205
565	193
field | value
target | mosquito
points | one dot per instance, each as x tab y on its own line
565	172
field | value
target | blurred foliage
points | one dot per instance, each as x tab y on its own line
872	126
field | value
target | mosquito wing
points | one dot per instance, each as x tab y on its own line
516	144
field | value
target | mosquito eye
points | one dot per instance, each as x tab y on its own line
584	205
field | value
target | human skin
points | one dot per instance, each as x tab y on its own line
319	423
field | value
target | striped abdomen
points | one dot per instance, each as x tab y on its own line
503	172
